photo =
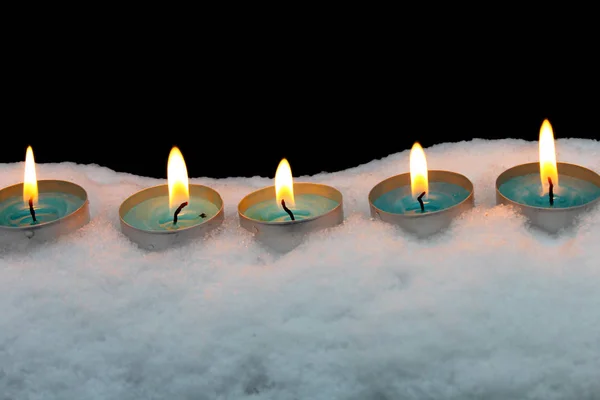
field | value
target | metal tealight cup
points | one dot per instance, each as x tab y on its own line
286	235
426	224
47	230
551	220
160	240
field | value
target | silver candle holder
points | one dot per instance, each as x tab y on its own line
162	239
45	231
285	235
551	220
426	224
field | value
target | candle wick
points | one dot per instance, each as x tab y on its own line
185	203
31	210
420	198
551	192
287	210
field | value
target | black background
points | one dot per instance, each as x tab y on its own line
237	101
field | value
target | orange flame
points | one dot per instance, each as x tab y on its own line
418	171
547	157
30	189
284	184
177	178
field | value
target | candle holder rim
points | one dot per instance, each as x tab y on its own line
56	221
162	232
536	163
545	209
423	215
297	222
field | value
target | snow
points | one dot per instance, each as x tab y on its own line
489	309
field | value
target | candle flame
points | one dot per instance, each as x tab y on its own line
547	157
284	184
177	178
418	171
30	189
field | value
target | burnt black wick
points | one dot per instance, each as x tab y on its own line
185	203
31	210
287	210
202	215
551	191
420	198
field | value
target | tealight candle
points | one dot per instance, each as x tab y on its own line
160	216
549	200
43	209
422	202
281	215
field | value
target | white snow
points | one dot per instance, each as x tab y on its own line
490	309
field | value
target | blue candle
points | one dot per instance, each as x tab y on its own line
441	195
172	207
154	214
282	204
26	205
281	216
549	188
306	206
14	211
570	192
421	196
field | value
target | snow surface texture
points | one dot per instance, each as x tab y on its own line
490	309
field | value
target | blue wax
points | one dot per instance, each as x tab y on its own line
569	192
441	195
50	206
154	215
307	206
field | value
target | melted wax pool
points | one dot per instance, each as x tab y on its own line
569	192
14	212
154	214
441	195
307	206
